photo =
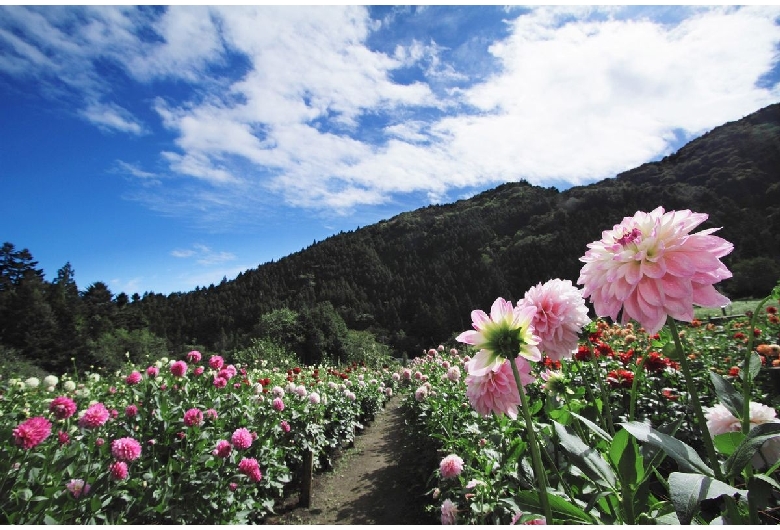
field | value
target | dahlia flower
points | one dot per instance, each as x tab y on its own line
453	374
126	449
250	468
77	487
194	356
134	378
62	407
507	332
131	411
242	438
560	314
216	362
95	416
651	267
118	470
720	421
222	449
278	404
451	466
179	368
496	391
449	511
152	371
50	381
32	432
193	417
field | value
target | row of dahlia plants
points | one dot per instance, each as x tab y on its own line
193	440
557	419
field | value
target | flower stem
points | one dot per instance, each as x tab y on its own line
604	394
536	455
746	378
709	446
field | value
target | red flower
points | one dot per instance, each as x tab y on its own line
620	379
583	353
734	371
655	362
625	358
604	349
739	335
771	310
669	394
31	432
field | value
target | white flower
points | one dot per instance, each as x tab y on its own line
69	386
50	380
32	382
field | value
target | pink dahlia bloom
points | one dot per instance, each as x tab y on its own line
62	407
314	398
560	315
451	466
278	404
651	266
285	426
194	356
134	378
449	511
77	487
131	411
222	449
216	362
720	421
507	332
193	417
118	470
497	391
179	368
126	449
63	438
199	370
220	382
242	438
453	374
421	393
211	414
250	468
95	416
32	432
152	371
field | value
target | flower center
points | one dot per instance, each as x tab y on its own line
630	237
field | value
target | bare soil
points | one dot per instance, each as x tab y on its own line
371	483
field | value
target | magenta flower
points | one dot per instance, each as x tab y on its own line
131	411
199	371
32	432
222	449
62	407
134	378
451	466
126	449
285	426
250	468
95	416
497	391
241	438
216	362
118	470
449	512
211	414
63	438
194	356
220	382
506	333
77	487
179	368
278	404
651	267
560	315
193	417
152	371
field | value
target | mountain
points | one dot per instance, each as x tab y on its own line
414	279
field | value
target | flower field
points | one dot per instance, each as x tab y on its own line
186	441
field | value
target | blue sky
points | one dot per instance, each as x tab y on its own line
160	149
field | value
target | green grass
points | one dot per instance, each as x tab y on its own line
737	307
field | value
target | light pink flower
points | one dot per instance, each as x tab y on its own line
285	426
242	438
507	332
95	416
278	404
451	466
421	393
211	414
222	449
134	378
152	371
194	356
62	407
453	374
216	362
651	266
118	470
193	417
179	368
199	371
449	511
560	315
497	391
720	421
77	487
314	398
126	449
32	432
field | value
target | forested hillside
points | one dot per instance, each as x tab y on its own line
411	281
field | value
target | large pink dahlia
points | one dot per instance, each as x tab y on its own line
451	466
651	266
720	421
32	432
126	449
62	407
560	315
95	416
496	391
506	333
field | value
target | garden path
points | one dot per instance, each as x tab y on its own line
370	482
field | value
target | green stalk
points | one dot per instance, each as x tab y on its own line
746	379
536	455
638	372
603	390
709	446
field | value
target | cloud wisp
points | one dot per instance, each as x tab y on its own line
302	106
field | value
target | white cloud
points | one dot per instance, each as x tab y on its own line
203	255
110	116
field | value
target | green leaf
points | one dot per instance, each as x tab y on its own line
682	453
728	395
728	442
755	365
586	457
48	519
624	454
752	443
563	510
689	489
604	435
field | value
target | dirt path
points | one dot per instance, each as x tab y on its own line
370	483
